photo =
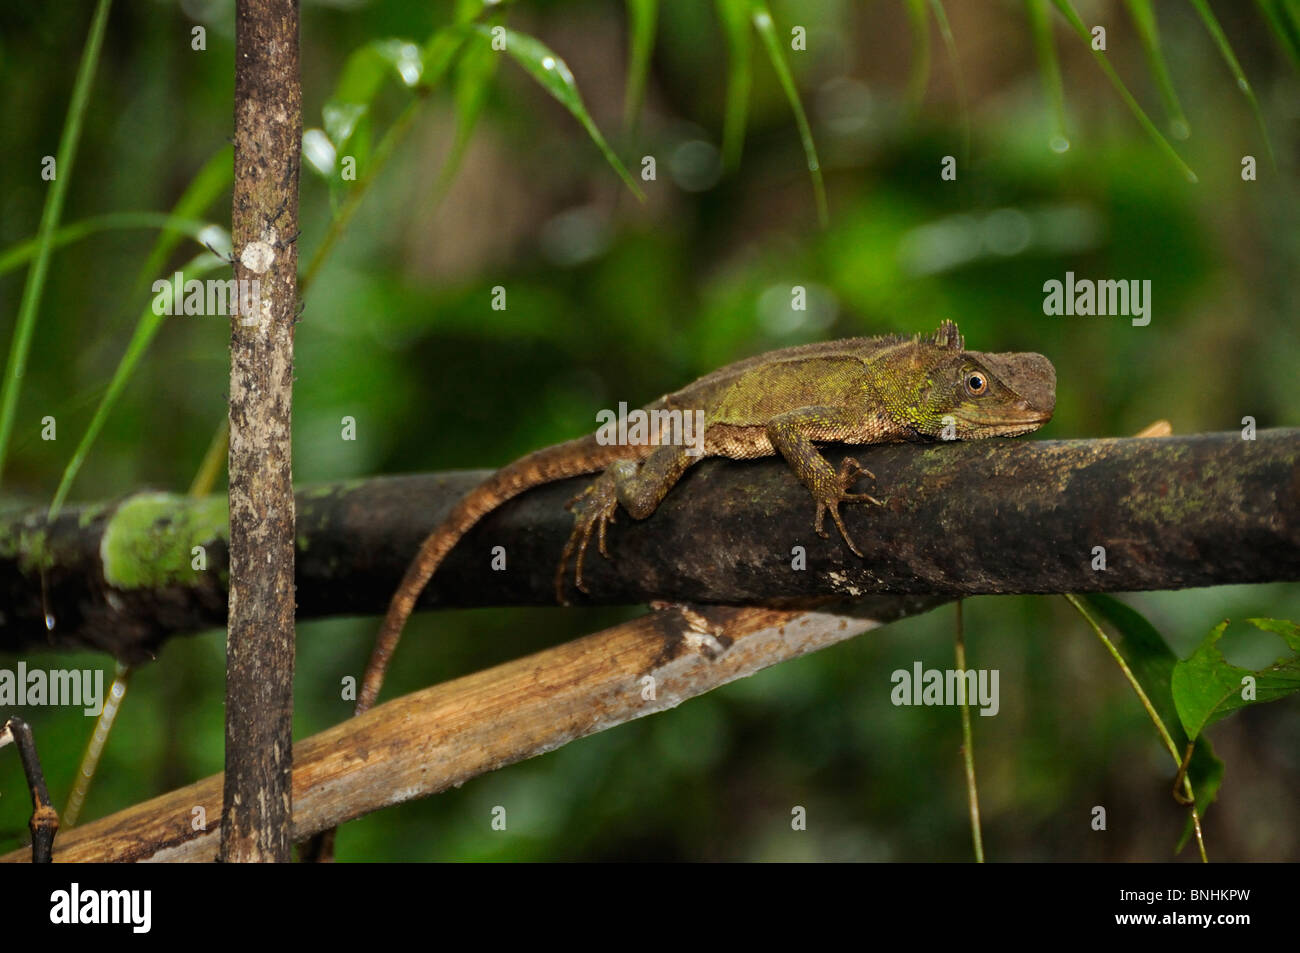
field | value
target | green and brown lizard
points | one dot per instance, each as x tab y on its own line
856	391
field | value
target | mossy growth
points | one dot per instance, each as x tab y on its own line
148	543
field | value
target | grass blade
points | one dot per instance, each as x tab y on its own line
553	75
642	17
145	329
35	285
919	76
1067	10
22	252
202	191
734	15
1040	24
1144	18
762	18
945	31
1285	24
1225	50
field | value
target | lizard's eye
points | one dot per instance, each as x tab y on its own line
976	383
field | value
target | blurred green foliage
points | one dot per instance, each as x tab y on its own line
611	300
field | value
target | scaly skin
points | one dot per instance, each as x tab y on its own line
858	391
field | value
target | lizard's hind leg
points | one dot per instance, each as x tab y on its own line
592	509
639	486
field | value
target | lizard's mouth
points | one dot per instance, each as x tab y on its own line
1005	420
1015	430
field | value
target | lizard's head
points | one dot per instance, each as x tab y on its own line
986	395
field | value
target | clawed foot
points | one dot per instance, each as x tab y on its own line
592	509
838	493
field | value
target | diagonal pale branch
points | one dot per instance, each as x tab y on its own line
442	736
993	516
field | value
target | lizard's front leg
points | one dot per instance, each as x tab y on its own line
638	486
793	432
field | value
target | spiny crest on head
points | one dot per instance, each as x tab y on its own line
947	337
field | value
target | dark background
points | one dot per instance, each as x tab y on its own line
611	300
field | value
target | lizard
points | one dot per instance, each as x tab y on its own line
859	391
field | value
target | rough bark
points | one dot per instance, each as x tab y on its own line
963	519
442	736
260	640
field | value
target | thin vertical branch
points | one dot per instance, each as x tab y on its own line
967	744
257	808
45	820
95	746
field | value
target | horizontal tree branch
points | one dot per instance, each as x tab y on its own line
442	736
993	516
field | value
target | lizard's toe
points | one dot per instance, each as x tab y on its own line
835	515
593	509
604	519
849	472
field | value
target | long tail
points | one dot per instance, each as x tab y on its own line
573	458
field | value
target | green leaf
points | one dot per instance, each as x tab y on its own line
404	57
642	16
1225	50
1067	10
364	74
34	287
440	52
340	120
734	15
438	55
1144	18
1040	25
475	71
553	75
319	153
1207	687
1148	655
762	18
1152	663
